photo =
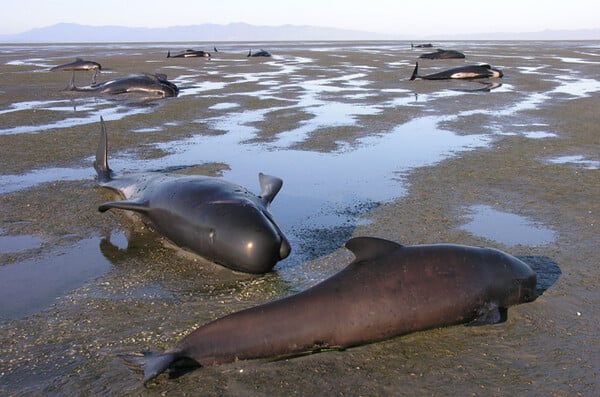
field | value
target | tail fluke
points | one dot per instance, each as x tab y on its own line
415	72
101	162
153	364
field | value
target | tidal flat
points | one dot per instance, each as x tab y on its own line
362	151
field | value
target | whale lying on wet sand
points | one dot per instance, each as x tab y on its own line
152	84
461	72
79	64
216	219
261	53
425	45
388	290
190	54
443	54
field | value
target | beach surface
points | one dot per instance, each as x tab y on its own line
362	151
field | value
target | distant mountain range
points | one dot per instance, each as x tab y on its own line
75	33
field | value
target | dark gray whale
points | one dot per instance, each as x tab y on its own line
152	84
388	290
427	45
79	64
261	53
214	218
190	54
443	54
461	72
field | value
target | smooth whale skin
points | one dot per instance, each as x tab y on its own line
190	54
461	72
443	54
216	219
153	84
388	290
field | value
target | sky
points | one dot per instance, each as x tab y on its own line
409	17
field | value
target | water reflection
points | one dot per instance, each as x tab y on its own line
30	286
12	244
87	111
578	160
506	228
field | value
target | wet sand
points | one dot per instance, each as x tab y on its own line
528	149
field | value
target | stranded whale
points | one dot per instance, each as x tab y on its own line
153	84
388	290
216	219
189	54
261	53
443	54
461	72
79	64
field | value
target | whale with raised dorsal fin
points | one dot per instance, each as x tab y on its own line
461	72
216	219
388	290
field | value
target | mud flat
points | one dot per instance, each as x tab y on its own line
362	151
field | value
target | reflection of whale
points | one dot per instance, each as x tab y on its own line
461	72
546	270
189	54
487	87
216	219
443	54
261	53
79	64
154	84
388	290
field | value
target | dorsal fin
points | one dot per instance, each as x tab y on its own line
137	206
365	248
415	73
269	187
101	162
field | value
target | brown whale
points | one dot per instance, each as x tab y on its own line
388	290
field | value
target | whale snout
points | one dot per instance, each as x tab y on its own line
246	238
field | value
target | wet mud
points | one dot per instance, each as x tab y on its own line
361	150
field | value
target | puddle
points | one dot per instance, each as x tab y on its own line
577	87
224	106
506	228
579	60
13	183
12	244
539	134
326	114
189	86
316	182
88	112
33	285
577	160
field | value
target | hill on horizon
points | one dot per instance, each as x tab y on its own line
76	33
